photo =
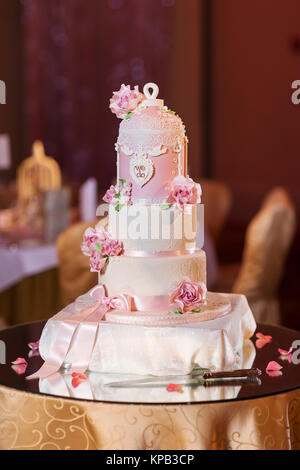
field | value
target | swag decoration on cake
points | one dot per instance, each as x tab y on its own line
99	246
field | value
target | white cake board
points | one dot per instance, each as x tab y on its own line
160	350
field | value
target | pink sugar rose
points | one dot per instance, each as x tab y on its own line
188	296
184	191
110	194
125	100
91	238
97	262
111	247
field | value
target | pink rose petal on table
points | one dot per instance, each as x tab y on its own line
34	349
273	365
19	360
285	355
78	378
79	375
274	373
34	344
262	340
19	365
76	381
174	388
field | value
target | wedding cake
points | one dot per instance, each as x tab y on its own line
150	312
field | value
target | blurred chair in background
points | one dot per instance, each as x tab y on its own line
267	243
217	200
75	277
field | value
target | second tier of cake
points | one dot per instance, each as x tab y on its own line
151	276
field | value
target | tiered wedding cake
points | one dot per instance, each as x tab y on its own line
150	312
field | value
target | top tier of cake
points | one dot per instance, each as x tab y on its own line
151	148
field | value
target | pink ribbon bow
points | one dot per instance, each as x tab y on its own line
80	330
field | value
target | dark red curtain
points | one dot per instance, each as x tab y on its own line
76	52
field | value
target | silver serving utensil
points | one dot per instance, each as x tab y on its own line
194	378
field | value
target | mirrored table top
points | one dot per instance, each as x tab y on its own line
16	341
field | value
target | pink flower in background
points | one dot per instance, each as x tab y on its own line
111	247
110	194
90	239
125	100
188	296
184	191
97	262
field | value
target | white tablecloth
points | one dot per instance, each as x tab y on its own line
21	262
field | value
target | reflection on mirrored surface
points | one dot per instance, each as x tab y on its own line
96	388
16	340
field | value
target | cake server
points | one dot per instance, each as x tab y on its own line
194	378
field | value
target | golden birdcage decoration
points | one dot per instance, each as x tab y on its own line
37	174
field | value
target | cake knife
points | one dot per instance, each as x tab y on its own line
198	378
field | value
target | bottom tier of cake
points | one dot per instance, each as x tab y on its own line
158	350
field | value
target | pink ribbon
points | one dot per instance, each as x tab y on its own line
88	318
83	338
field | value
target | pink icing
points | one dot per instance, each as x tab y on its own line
165	169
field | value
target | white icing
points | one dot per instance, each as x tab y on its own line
152	275
148	228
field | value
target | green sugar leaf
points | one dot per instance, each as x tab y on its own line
196	311
122	181
128	115
119	207
177	311
98	245
164	207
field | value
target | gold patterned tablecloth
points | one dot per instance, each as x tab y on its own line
35	421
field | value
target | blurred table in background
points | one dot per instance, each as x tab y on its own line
29	288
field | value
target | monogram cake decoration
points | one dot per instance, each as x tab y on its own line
141	169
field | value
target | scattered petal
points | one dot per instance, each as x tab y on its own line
76	381
273	365
19	360
19	368
285	355
33	353
79	375
34	344
274	373
262	340
174	388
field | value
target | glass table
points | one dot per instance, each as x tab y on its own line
52	413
